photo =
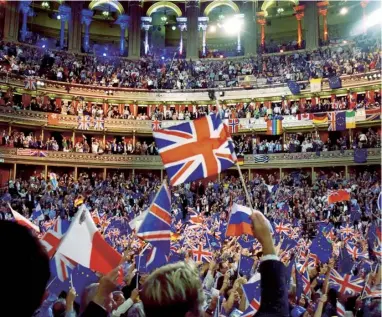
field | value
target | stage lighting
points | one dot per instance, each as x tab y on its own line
233	25
43	46
173	28
374	18
212	29
59	17
344	11
104	54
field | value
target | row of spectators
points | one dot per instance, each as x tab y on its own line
244	144
148	73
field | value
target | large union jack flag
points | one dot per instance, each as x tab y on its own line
30	83
99	124
156	226
51	241
347	284
156	124
195	149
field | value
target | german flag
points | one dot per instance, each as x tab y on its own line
240	159
320	118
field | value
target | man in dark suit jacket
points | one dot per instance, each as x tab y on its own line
274	292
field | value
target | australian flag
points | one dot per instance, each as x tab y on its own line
360	155
334	82
293	87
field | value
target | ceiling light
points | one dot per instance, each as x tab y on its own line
173	28
59	17
344	11
212	28
45	5
164	18
105	13
280	10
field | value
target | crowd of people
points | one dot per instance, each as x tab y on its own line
148	73
293	199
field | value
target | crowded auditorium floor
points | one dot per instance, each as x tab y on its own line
199	158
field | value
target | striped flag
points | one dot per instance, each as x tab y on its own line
261	158
350	119
373	114
320	118
275	125
315	84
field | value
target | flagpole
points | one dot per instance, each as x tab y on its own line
51	282
139	262
244	186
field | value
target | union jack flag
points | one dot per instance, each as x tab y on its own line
195	149
83	123
201	254
51	241
279	228
252	292
233	125
369	292
340	310
346	230
302	276
30	83
156	226
347	284
156	125
355	252
99	124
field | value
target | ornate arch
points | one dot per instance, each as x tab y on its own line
268	3
217	3
164	4
113	3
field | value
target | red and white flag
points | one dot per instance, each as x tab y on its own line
84	244
23	221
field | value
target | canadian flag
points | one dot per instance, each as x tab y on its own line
84	244
22	220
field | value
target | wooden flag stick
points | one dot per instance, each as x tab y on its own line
249	202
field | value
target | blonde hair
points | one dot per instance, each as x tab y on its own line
172	291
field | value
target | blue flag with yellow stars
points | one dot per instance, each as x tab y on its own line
334	82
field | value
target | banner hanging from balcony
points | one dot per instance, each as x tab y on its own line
83	123
261	158
315	84
30	83
360	156
373	114
53	119
31	152
337	121
99	124
274	125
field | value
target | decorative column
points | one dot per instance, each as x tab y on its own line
192	12
203	24
75	27
312	28
182	24
11	21
26	11
123	21
250	27
323	11
135	13
364	5
261	20
64	13
299	15
146	24
86	19
239	19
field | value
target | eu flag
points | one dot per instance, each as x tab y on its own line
293	87
360	155
345	262
321	247
246	264
334	82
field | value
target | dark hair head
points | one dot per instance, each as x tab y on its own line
24	267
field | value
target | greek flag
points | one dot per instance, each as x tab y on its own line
261	158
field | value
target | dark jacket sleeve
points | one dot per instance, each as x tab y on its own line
94	310
274	292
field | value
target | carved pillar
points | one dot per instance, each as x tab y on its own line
64	12
192	12
75	27
364	4
26	11
261	20
146	24
161	175
323	11
14	170
135	29
182	24
75	173
11	21
123	21
313	175
312	27
203	24
299	15
250	27
86	19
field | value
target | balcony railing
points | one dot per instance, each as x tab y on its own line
123	95
281	160
70	122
